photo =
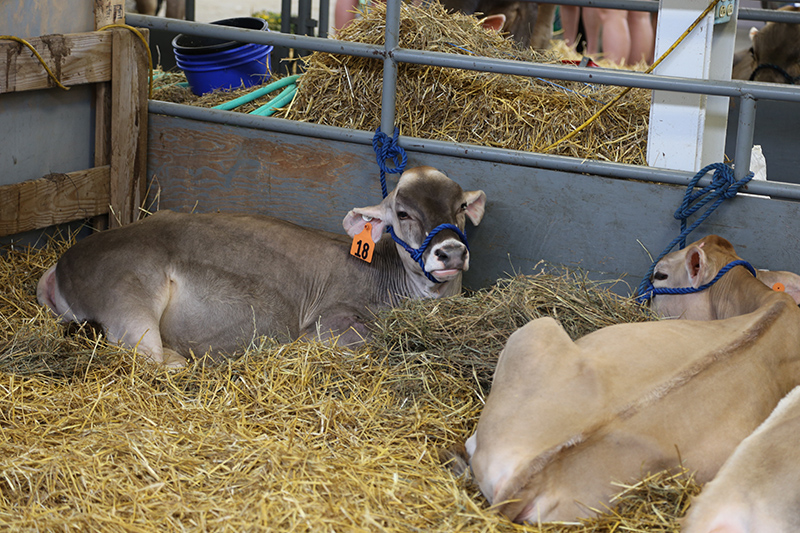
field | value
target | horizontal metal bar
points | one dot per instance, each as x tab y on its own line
745	13
599	75
462	150
301	42
768	15
484	64
630	5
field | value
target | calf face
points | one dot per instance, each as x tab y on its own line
424	199
695	266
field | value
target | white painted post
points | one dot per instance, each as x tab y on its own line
687	131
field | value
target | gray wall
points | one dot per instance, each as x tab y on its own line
601	225
49	130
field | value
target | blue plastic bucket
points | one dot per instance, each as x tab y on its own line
251	67
212	64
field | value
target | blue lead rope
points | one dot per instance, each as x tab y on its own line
386	148
722	187
650	291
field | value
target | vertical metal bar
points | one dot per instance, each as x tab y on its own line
286	16
324	18
389	89
303	16
190	10
744	136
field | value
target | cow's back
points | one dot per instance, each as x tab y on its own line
639	398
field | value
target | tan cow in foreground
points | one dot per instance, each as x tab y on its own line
175	284
757	490
565	419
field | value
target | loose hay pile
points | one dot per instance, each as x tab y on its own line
465	106
447	104
288	437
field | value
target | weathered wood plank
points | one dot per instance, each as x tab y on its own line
128	127
108	12
602	225
53	199
75	59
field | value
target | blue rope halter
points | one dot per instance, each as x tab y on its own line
722	187
650	291
386	148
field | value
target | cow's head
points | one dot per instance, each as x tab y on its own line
776	52
695	266
423	200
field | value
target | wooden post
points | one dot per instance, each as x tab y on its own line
108	12
129	71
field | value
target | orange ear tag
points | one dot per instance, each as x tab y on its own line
778	287
363	245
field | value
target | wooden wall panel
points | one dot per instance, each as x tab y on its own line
54	199
75	59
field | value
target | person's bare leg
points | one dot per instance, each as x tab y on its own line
616	36
343	13
642	37
591	23
570	17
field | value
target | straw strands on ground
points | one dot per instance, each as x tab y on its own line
295	437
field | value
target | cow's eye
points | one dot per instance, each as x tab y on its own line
402	215
463	207
660	276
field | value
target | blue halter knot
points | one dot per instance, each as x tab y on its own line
723	186
386	148
650	290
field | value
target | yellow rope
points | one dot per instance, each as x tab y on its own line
39	57
53	76
146	47
627	89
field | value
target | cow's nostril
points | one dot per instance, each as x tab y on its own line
441	255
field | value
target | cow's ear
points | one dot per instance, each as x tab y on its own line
355	220
476	204
696	265
494	22
789	282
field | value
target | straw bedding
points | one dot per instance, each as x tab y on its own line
487	109
287	437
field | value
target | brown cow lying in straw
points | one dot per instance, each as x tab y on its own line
176	283
566	419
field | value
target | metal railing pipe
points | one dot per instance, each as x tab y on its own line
599	75
275	38
462	150
389	85
744	136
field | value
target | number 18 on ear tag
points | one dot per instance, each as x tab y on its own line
363	246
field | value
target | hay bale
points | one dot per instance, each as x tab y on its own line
295	436
511	112
487	109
